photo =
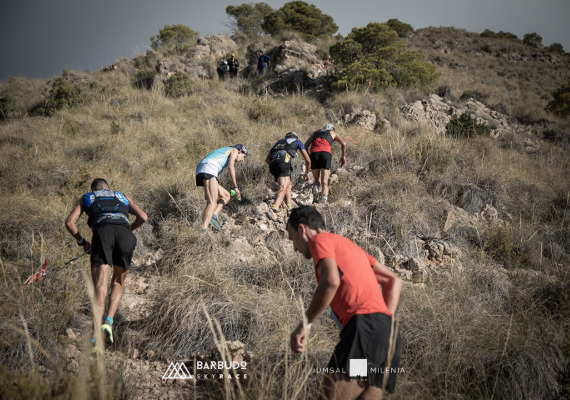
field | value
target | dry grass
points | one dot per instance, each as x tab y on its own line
467	336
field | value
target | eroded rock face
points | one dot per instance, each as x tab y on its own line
436	112
364	119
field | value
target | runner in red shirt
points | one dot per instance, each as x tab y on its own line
320	146
348	281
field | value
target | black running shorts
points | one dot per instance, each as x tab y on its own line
279	168
321	159
112	244
367	336
201	177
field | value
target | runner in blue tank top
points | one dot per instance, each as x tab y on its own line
207	173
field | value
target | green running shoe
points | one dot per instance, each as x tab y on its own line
215	225
108	332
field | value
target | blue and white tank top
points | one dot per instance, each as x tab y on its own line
214	163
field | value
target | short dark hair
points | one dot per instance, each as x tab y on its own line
307	215
98	184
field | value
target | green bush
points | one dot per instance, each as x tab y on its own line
506	35
63	94
556	48
376	54
465	126
248	18
560	105
173	37
487	33
178	85
532	39
401	28
148	61
301	17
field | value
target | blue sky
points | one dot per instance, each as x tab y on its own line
41	38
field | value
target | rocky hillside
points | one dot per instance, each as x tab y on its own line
475	220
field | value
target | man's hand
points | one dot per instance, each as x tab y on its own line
342	161
86	247
298	338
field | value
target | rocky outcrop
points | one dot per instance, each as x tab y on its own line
296	65
364	119
436	112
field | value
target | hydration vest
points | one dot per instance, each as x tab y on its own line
284	150
322	141
106	206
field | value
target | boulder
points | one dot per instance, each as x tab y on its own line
364	119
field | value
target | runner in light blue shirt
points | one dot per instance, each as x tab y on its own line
207	173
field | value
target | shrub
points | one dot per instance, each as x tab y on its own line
178	85
401	28
500	242
63	94
262	111
560	105
148	61
532	39
487	33
556	48
249	18
301	17
173	37
376	54
506	35
465	126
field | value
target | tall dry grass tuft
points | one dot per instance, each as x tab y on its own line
33	359
470	338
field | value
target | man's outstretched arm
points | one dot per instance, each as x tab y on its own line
326	289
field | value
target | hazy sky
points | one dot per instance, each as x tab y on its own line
40	38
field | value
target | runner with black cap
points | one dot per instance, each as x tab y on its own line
207	173
280	166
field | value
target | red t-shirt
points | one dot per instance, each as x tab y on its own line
359	291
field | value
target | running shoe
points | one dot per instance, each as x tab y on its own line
108	332
215	225
272	215
315	191
95	351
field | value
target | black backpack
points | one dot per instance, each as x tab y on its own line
282	150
